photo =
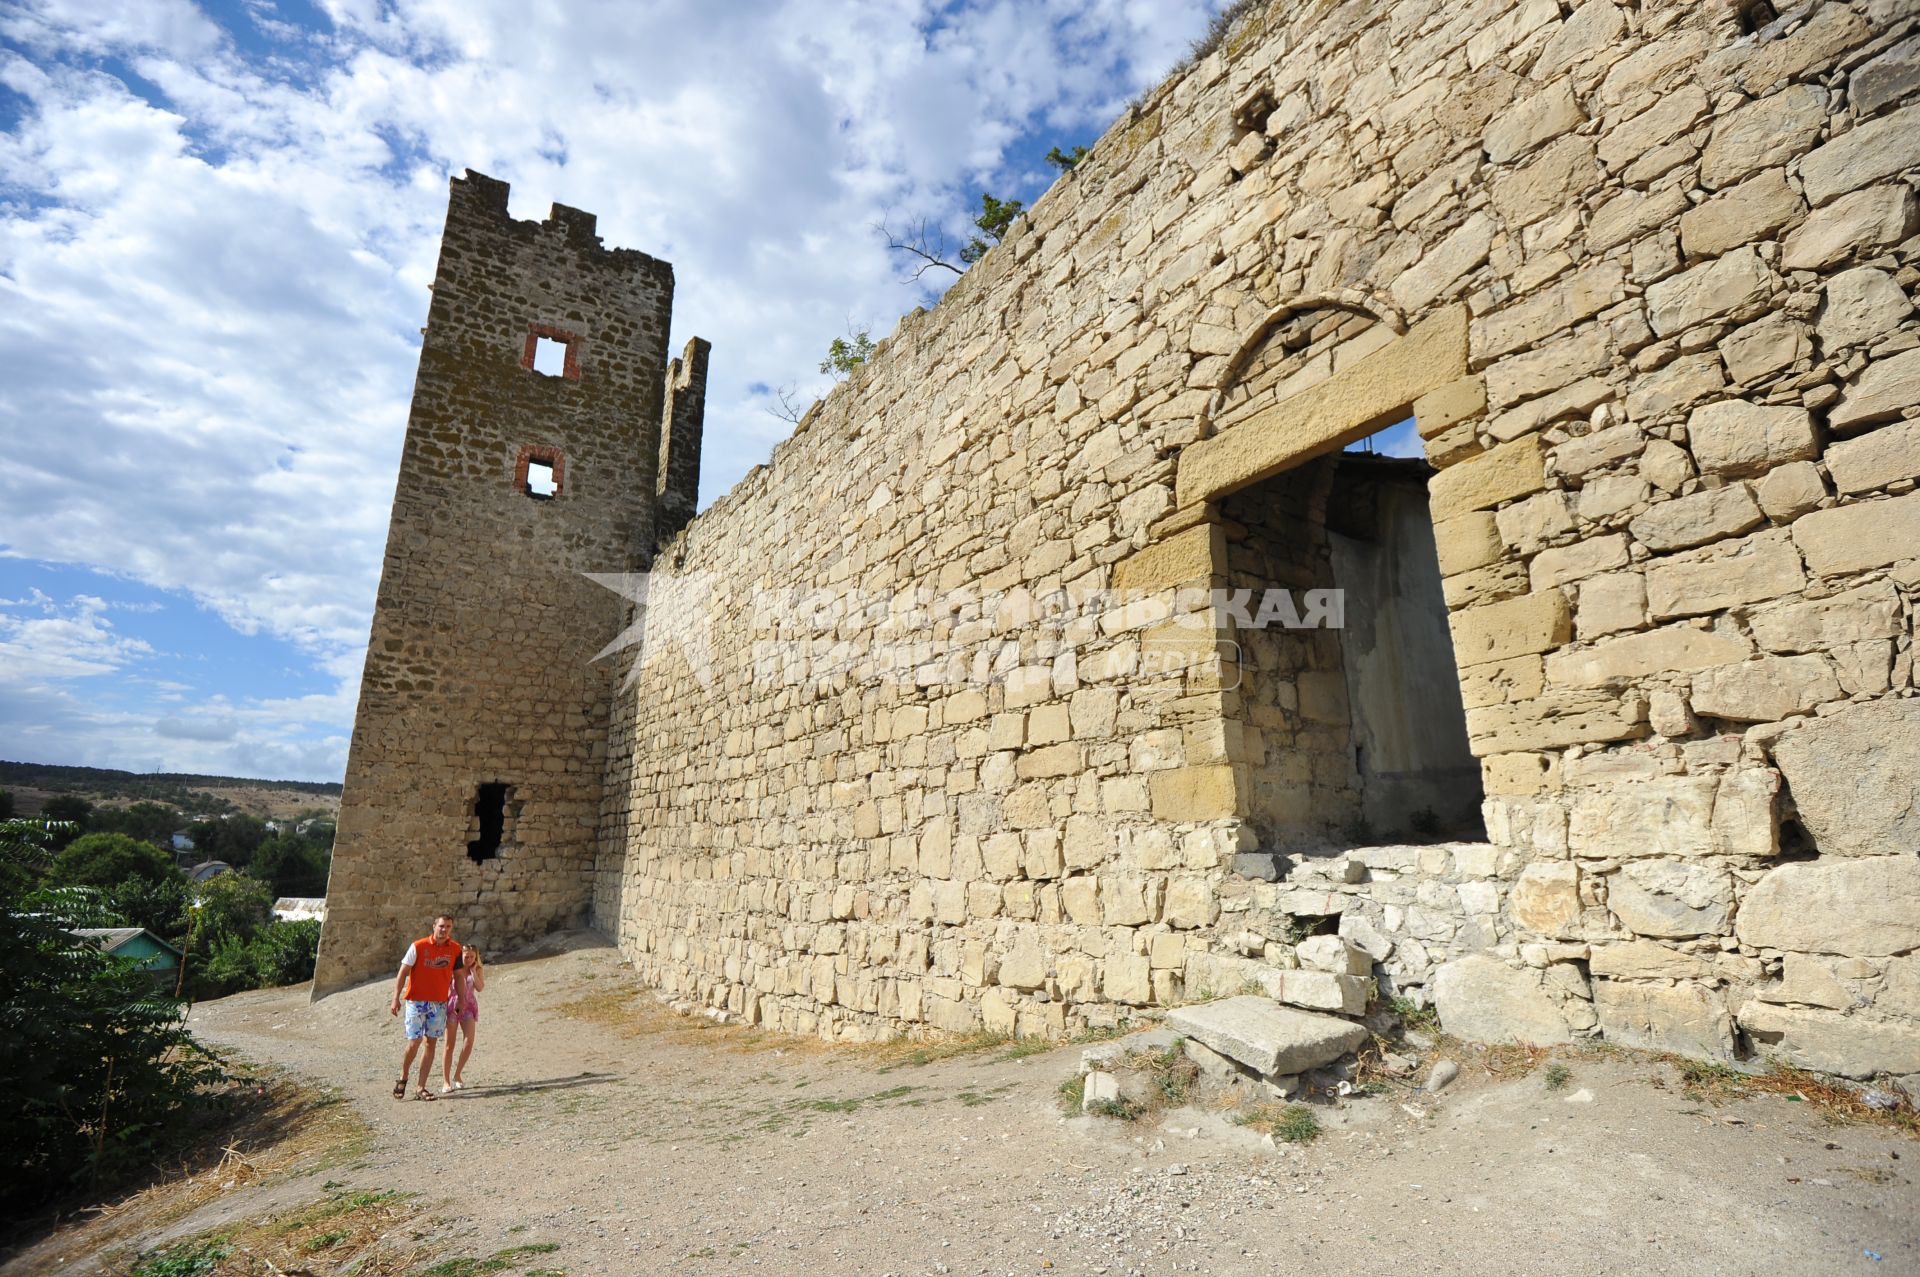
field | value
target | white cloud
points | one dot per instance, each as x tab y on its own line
63	642
213	271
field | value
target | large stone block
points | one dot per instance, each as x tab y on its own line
1737	286
1828	1042
1859	225
1686	1018
1860	907
1480	483
1862	155
1695	520
1659	816
1184	794
1467	541
1529	624
1546	898
1268	1038
1765	566
1555	720
1876	459
1765	690
1816	625
1562	564
1855	777
1860	306
1751	211
1532	121
1768	131
1735	437
1672	649
1483	1000
1319	990
1645	960
1854	538
1670	899
1185	558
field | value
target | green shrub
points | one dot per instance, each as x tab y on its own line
278	954
101	1073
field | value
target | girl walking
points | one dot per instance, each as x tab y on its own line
463	1018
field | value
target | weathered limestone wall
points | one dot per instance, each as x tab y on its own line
1644	277
478	669
1646	281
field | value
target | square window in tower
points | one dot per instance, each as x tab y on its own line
540	481
549	357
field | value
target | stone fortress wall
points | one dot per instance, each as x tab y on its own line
1643	274
479	669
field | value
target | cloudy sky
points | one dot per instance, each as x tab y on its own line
217	226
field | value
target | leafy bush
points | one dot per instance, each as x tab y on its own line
278	954
106	860
230	904
100	1070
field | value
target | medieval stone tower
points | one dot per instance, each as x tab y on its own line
540	447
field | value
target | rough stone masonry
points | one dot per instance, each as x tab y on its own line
939	719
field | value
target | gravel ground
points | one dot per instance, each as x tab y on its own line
672	1146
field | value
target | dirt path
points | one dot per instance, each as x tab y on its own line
696	1150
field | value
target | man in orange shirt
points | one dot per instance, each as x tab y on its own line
426	978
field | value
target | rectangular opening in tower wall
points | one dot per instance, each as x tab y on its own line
490	810
540	480
549	357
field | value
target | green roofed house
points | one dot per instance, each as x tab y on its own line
140	946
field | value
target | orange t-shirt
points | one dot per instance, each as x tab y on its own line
430	977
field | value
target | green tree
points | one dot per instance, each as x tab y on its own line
6	804
148	821
1066	161
233	839
137	879
281	953
844	354
101	1073
160	907
230	904
291	865
107	860
996	219
67	807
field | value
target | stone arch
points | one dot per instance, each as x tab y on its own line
1352	300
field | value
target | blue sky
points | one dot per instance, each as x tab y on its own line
218	222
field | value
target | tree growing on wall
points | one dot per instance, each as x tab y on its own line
844	354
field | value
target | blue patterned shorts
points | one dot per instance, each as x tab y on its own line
426	1020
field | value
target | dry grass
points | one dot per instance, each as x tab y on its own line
367	1230
1288	1123
1718	1084
276	1128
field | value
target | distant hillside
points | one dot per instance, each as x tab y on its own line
105	780
32	783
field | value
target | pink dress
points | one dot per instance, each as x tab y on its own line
463	1006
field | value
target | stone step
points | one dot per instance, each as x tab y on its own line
1266	1037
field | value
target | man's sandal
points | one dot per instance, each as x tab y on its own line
400	1089
425	1093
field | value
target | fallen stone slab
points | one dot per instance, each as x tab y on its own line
1104	1055
1100	1088
1265	1036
